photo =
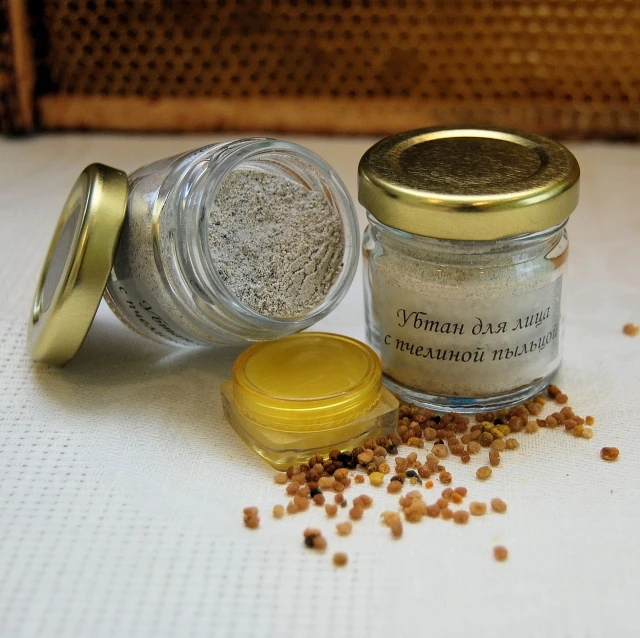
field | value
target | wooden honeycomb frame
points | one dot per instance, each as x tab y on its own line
561	67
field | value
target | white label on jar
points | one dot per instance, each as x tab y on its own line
474	348
138	307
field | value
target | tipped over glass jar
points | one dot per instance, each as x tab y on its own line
465	254
230	244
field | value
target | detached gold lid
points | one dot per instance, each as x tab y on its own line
468	183
78	263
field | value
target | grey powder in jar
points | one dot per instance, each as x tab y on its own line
277	245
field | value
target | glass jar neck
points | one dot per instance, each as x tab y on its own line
507	250
192	186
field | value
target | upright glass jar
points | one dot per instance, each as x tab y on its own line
147	238
465	254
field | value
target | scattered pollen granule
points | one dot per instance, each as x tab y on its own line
500	553
498	505
476	508
609	453
340	559
251	518
483	472
631	329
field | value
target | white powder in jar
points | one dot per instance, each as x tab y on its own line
277	245
465	331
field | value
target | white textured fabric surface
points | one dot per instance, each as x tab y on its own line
122	487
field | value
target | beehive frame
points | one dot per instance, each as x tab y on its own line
561	67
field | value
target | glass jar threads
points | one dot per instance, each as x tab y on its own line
465	254
229	244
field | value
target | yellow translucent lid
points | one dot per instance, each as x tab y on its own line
310	380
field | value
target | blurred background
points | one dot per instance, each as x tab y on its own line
566	68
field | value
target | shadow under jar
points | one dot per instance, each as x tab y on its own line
465	254
230	244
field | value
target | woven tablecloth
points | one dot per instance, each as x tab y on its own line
122	486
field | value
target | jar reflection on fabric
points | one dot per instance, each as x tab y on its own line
463	323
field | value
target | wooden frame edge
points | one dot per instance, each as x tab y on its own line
323	115
24	64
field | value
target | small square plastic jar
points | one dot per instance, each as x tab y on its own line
307	394
465	256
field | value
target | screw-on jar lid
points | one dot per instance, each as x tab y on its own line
308	381
469	183
78	263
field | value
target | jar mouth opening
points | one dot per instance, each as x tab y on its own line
300	166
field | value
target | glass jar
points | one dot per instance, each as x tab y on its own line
148	240
465	255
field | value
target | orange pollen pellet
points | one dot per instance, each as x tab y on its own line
476	508
498	505
483	472
456	498
445	477
433	511
355	513
429	484
278	511
461	517
461	490
394	487
590	420
340	559
359	478
331	509
609	453
344	529
500	553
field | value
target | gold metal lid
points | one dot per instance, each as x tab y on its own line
468	183
78	263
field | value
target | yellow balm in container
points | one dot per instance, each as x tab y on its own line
307	394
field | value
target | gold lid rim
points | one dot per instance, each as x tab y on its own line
478	216
77	265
